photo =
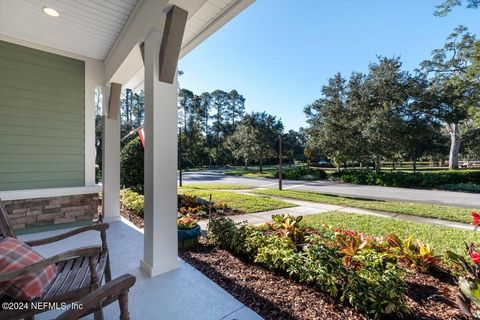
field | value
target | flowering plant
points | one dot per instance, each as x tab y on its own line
474	254
469	284
411	252
186	222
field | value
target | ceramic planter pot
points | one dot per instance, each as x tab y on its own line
189	238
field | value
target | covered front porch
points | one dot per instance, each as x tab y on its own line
54	58
184	293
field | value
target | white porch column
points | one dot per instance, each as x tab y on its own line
160	209
110	162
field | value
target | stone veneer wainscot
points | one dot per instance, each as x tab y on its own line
55	210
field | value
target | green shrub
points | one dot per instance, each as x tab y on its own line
132	200
302	173
320	265
131	165
289	225
221	232
372	285
376	287
467	187
275	252
248	240
426	180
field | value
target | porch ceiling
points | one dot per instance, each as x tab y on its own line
91	28
88	28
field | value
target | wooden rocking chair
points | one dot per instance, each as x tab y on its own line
80	271
94	302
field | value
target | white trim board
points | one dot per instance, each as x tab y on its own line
47	192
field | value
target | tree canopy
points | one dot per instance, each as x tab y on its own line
447	5
255	137
455	88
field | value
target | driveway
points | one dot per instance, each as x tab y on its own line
461	199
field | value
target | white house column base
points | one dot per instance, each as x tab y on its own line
149	271
160	209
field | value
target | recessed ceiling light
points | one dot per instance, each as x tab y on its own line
51	12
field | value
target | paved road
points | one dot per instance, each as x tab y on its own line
461	199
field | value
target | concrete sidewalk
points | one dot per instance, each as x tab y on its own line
306	208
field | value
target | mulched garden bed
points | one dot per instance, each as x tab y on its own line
132	217
276	297
197	208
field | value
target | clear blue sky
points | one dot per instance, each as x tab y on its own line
279	53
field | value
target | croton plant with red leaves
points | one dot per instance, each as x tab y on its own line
469	284
475	218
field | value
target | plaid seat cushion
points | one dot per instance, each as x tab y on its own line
14	255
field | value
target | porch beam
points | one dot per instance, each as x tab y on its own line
123	61
147	15
171	43
114	101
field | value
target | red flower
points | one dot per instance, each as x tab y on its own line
476	218
475	256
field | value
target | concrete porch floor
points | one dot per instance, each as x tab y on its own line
184	293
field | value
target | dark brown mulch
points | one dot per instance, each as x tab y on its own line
271	295
276	297
422	288
132	217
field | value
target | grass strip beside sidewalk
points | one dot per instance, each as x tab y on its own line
217	186
409	208
240	202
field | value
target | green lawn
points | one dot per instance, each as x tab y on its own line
409	208
267	173
217	186
244	203
440	238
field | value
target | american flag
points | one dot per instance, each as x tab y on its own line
141	134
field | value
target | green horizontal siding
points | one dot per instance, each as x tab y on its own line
37	158
51	175
34	184
29	112
35	86
31	123
22	102
41	58
42	119
32	93
43	167
40	132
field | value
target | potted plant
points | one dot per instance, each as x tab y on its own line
188	231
